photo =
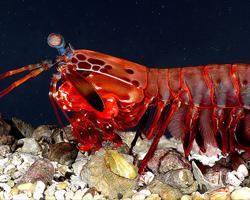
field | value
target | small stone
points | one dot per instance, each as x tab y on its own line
59	194
4	150
138	196
198	196
220	194
77	166
186	197
146	192
88	196
30	145
165	191
241	193
14	191
20	197
4	178
69	195
78	194
62	185
64	153
39	189
41	170
153	197
50	197
11	183
26	187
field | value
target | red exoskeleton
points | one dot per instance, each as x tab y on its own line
209	103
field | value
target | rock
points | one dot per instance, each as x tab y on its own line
41	170
4	127
4	150
181	178
146	178
64	153
62	185
39	189
20	197
5	138
43	134
88	196
241	193
165	191
198	196
153	197
204	183
77	166
98	175
69	195
78	194
25	128
167	159
220	194
146	192
119	165
30	145
29	187
138	196
59	194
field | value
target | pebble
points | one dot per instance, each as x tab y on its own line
4	178
62	185
4	150
5	187
138	196
26	187
146	192
241	193
78	194
88	196
165	191
186	197
153	197
69	195
59	194
77	166
30	145
20	197
39	189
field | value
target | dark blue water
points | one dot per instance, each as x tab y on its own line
153	33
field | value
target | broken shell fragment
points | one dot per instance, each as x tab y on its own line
119	165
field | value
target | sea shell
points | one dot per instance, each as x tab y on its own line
119	165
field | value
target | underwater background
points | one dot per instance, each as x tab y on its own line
154	33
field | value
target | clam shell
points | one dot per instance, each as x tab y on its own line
118	164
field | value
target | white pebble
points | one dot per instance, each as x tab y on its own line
146	178
5	187
59	194
88	197
69	195
243	170
231	179
241	193
78	195
138	196
77	182
4	178
77	166
20	197
39	189
146	192
3	162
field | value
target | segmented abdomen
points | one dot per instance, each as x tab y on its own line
213	85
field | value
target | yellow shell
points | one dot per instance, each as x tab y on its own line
119	165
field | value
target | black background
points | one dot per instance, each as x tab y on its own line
153	33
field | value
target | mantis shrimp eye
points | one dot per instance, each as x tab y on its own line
55	40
